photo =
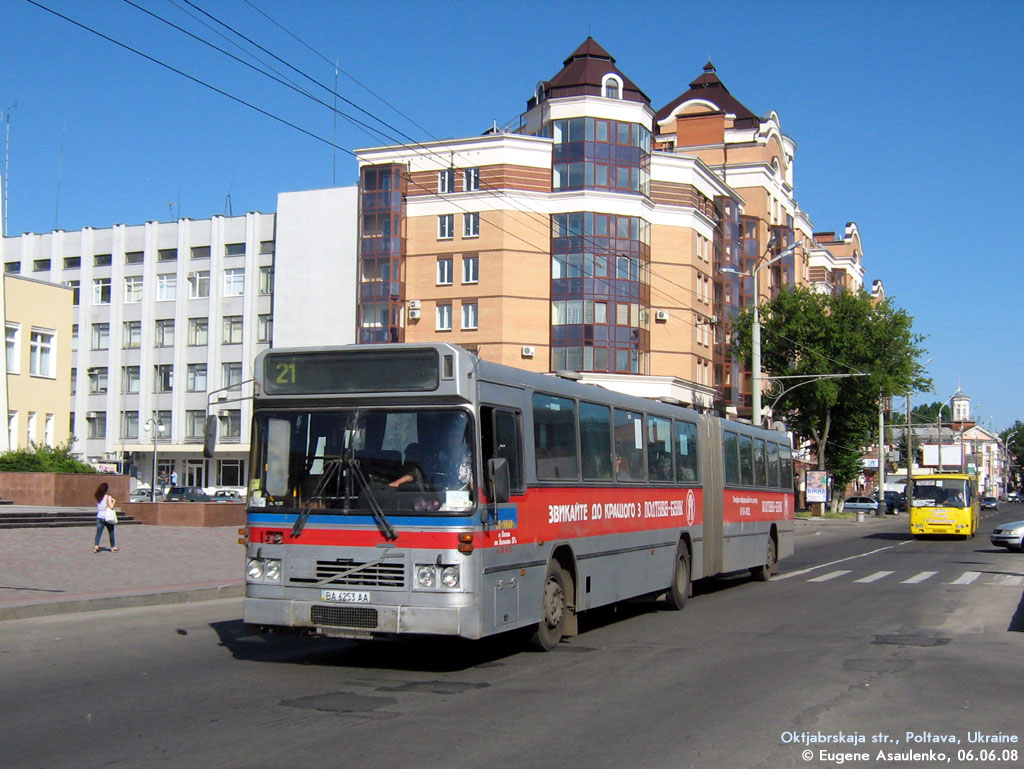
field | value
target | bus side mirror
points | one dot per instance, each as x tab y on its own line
210	436
497	480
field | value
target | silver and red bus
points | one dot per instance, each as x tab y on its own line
417	489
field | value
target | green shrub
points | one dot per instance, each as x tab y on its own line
43	459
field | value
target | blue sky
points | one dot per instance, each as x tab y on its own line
906	118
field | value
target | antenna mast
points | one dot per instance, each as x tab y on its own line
5	183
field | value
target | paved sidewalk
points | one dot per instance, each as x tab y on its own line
54	570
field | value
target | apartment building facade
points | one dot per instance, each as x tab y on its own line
597	235
167	318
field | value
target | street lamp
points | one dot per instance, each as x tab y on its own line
157	428
938	433
755	328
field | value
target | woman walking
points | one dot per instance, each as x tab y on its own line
106	517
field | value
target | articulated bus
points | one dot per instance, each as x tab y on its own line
944	503
416	489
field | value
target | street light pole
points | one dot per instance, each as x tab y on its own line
755	329
157	428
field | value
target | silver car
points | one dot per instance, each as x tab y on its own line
860	505
1009	535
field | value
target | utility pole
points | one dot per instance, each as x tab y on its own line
881	456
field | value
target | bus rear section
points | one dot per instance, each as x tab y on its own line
944	504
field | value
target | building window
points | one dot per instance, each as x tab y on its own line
167	255
234	249
132	335
470	269
446	226
72	262
444	317
230	423
199	284
471	177
13	348
133	289
133	257
267	246
76	291
196	377
41	353
164	333
130	424
471	225
74	337
229	472
102	260
97	423
100	336
130	377
97	379
265	329
195	424
266	280
469	315
444	271
101	291
446	180
232	329
164	417
198	332
163	377
611	88
200	252
231	375
166	286
48	429
234	281
41	265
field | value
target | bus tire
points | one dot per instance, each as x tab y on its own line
679	590
554	610
763	572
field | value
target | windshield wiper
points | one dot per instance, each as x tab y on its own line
332	468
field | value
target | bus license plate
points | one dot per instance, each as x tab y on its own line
345	596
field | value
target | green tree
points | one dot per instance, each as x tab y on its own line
807	334
1014	440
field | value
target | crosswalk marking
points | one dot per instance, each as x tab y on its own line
875	577
1009	580
966	578
830	575
920	577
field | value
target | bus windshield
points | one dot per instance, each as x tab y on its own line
940	492
363	460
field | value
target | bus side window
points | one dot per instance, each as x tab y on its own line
685	444
502	438
554	437
731	458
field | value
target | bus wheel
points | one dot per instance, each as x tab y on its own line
764	571
679	590
554	610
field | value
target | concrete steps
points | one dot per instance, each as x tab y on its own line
37	519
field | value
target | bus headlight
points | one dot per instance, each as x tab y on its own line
450	576
272	571
425	576
254	569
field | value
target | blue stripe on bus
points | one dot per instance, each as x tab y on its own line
364	521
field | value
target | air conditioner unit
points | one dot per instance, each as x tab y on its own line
414	304
661	315
529	351
414	314
92	414
224	413
713	319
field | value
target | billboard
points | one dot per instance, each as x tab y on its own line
952	455
817	486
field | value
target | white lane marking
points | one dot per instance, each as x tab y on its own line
966	578
789	574
921	577
830	575
875	577
1006	580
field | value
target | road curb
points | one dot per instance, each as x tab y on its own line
27	611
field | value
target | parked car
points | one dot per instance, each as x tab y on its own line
187	494
1009	535
1014	496
860	505
989	503
895	502
145	495
226	495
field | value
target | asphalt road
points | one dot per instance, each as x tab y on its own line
861	634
